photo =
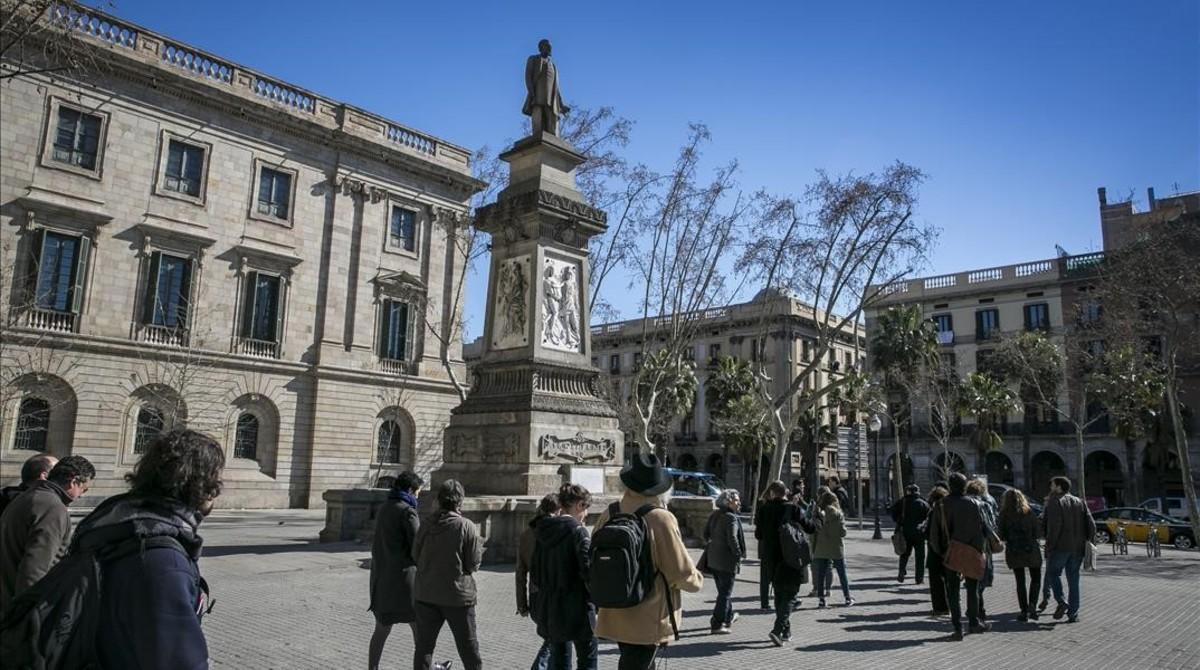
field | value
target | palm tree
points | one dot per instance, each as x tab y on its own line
903	346
730	380
986	399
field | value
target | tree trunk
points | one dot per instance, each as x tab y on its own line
1082	466
781	446
757	478
1132	490
899	465
1185	460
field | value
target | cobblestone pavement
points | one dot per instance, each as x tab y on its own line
284	602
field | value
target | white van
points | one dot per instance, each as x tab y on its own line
1176	507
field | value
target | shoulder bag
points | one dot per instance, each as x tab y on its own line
960	556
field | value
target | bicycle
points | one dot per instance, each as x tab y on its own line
1120	542
1153	545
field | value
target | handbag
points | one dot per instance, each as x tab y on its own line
1089	557
962	557
899	542
702	563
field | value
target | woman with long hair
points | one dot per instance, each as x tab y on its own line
547	507
829	551
1018	526
937	573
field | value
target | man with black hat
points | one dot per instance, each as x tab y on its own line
640	630
910	513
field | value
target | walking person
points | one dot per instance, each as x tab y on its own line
393	569
813	518
1069	528
776	512
829	549
1019	528
977	491
35	530
843	498
958	518
33	470
725	551
642	629
448	553
547	507
560	604
766	550
937	573
910	513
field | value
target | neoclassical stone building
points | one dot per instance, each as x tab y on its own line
188	241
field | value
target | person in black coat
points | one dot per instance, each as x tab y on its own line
151	600
34	470
786	580
910	513
392	566
937	573
561	605
725	550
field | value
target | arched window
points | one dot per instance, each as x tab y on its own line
33	422
149	426
390	439
245	443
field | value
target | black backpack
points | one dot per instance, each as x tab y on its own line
622	570
793	543
53	624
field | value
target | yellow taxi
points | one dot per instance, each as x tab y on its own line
1137	524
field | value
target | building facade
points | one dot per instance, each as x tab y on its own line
187	241
787	348
973	310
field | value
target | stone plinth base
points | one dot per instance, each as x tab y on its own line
350	512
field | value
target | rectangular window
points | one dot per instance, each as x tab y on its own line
1090	311
637	361
402	232
61	270
987	324
77	138
168	290
1037	316
185	167
614	363
944	323
805	352
263	311
714	352
983	361
395	331
274	193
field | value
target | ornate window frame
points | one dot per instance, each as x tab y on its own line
255	183
53	104
160	177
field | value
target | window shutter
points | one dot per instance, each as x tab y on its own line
36	249
385	313
248	308
151	299
81	270
188	287
410	326
978	324
280	308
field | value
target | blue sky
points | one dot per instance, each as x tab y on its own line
1016	110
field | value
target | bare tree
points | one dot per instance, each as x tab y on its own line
941	390
43	36
839	250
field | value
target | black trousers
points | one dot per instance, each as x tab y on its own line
953	598
785	592
916	545
1027	596
637	656
462	625
766	574
937	583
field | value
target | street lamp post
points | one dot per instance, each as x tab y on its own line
875	425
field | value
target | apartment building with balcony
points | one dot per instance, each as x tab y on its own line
972	310
188	241
735	330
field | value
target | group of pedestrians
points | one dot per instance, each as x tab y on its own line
962	527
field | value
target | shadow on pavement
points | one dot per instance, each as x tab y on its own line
299	545
867	645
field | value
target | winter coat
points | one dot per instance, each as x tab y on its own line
447	552
829	542
149	599
1069	525
648	622
35	532
843	497
524	558
726	541
770	516
910	512
956	517
559	571
9	494
1020	535
393	569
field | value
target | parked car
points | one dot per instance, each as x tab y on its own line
1137	522
998	490
1176	507
688	483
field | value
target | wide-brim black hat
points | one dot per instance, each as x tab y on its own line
645	475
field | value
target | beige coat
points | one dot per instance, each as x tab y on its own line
648	622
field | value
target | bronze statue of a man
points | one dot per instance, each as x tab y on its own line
543	101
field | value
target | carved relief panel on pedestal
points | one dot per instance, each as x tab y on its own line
561	316
510	321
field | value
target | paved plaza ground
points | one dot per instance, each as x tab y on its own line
283	601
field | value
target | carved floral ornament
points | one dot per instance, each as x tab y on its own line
374	194
576	449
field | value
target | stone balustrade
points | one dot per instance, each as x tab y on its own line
907	290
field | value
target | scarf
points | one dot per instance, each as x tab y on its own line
406	497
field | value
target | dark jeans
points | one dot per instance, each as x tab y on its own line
1027	603
824	580
785	593
722	614
1056	562
937	583
953	598
915	546
542	660
586	651
637	656
766	574
462	624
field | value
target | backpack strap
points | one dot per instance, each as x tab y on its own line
614	509
641	515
